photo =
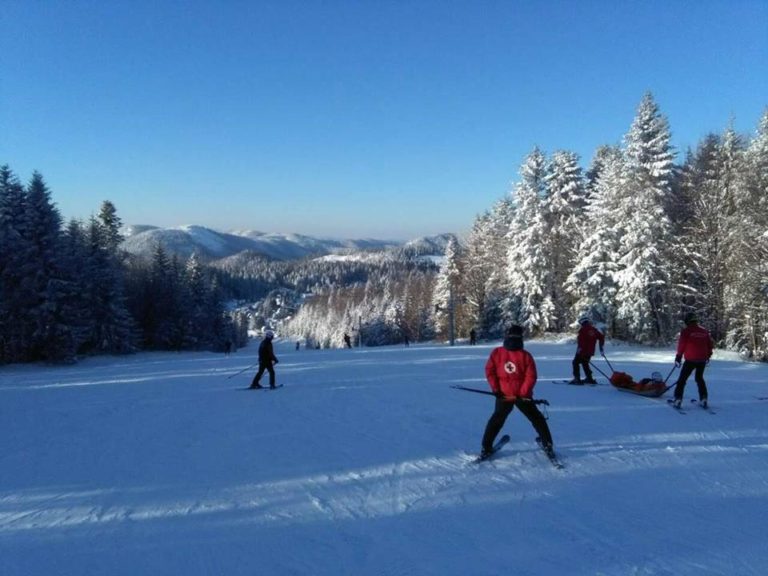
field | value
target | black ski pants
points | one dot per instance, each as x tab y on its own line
499	417
580	361
262	367
688	368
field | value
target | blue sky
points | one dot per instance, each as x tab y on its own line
386	119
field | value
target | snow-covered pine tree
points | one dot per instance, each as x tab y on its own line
198	309
477	268
748	295
483	263
564	216
44	282
528	268
447	292
707	244
112	330
496	253
592	282
645	296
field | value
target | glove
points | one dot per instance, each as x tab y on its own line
602	351
275	361
678	359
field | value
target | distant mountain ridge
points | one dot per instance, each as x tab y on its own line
211	244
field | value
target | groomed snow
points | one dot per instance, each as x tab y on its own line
159	463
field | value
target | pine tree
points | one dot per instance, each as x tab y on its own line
14	341
447	296
528	267
748	296
708	247
645	297
43	282
564	214
592	282
112	329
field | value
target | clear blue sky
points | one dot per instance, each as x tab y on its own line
358	118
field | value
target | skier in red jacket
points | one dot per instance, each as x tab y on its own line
585	348
695	344
511	373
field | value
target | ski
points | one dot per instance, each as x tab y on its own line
677	409
262	388
496	447
551	456
569	383
707	409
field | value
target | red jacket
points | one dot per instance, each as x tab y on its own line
695	343
511	372
585	341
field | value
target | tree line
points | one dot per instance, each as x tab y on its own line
70	291
634	242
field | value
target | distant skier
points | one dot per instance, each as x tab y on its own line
472	337
267	360
695	344
347	340
511	374
227	347
586	339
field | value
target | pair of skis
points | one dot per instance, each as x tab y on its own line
262	387
680	410
551	456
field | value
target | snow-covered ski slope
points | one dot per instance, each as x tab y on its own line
157	464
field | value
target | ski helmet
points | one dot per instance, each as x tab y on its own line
269	334
583	320
657	377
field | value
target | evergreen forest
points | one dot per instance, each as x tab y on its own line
634	241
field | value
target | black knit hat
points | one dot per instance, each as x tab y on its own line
690	318
515	331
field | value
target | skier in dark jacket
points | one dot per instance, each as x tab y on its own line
695	344
267	360
585	348
511	374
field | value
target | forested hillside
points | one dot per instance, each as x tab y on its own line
634	241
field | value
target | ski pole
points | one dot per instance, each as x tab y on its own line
476	390
489	393
241	371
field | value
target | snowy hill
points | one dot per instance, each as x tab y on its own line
361	465
186	240
429	245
